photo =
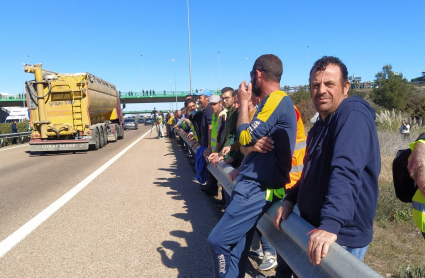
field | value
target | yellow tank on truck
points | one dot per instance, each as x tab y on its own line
67	110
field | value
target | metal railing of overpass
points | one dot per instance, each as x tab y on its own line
161	94
144	111
292	242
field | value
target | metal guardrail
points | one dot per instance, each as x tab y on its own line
22	135
291	243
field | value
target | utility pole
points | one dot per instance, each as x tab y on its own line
175	80
190	59
141	57
219	71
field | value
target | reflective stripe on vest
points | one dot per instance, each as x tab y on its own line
297	161
299	152
214	128
418	206
418	203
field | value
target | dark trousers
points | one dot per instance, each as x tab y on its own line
231	238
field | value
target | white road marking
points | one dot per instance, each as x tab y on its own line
11	148
7	244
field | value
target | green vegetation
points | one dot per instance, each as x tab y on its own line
7	128
392	91
411	272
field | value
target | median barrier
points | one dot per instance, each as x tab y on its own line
14	135
291	243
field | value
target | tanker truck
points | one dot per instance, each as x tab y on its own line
71	111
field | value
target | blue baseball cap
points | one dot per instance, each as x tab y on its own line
203	92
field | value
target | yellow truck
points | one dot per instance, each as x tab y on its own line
72	111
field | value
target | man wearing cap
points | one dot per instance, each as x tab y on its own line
262	174
206	125
217	123
203	101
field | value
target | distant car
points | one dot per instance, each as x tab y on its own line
130	123
148	121
141	121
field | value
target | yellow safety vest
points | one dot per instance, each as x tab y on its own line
214	128
194	131
418	201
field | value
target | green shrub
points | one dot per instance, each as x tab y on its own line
411	272
7	128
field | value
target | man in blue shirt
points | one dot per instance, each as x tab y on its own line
338	189
263	174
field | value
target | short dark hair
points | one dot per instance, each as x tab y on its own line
226	89
270	65
187	101
325	61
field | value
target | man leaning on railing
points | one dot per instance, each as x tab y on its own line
338	189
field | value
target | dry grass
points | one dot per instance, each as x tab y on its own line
397	242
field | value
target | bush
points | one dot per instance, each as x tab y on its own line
306	109
411	272
7	128
359	93
300	96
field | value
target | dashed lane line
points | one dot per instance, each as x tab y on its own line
7	244
11	148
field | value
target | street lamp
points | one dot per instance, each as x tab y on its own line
190	61
219	70
308	58
141	57
175	80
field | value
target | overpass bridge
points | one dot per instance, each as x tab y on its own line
128	97
143	112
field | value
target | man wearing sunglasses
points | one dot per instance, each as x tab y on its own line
264	174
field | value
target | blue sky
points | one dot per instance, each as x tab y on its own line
106	38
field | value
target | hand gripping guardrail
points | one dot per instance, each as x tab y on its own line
22	135
292	242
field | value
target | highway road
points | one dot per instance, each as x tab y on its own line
142	216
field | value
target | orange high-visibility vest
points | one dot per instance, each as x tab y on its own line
297	161
299	152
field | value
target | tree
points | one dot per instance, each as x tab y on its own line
300	96
392	91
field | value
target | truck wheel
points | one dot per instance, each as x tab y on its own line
101	138
105	136
115	135
120	130
96	146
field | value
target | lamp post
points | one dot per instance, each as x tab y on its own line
308	59
219	70
190	61
141	58
175	80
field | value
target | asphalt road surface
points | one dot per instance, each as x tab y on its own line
142	216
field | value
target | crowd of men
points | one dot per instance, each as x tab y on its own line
331	175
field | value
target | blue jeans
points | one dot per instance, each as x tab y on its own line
229	241
357	252
284	271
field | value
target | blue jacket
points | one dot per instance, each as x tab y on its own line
201	165
338	189
14	129
275	118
